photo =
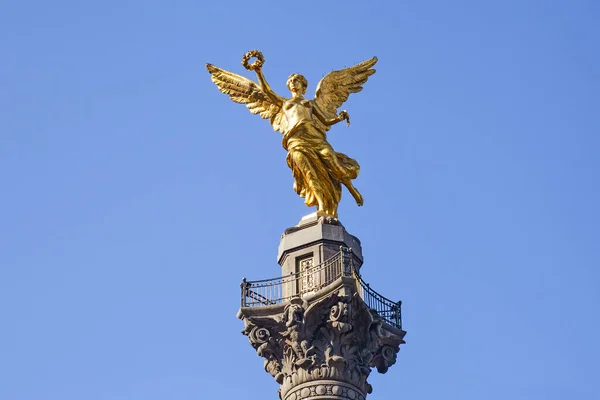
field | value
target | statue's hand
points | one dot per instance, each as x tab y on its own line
344	116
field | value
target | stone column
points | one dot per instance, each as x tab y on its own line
321	343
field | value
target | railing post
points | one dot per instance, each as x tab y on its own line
244	286
399	315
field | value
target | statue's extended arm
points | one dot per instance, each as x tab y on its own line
266	88
343	115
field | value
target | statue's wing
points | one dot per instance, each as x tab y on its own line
243	90
336	86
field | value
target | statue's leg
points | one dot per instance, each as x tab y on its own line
320	204
354	192
330	156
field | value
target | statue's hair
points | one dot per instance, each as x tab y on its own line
302	79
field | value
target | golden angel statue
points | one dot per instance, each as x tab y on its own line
318	170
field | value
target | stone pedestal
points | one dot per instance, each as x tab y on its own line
318	336
317	237
309	244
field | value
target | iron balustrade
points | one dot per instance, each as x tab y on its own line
275	291
390	311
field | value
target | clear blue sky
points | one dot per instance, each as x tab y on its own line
135	196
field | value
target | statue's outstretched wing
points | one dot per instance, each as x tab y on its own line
336	86
243	90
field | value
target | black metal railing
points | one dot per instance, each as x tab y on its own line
274	291
277	290
390	311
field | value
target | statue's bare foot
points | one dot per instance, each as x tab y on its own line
357	196
359	199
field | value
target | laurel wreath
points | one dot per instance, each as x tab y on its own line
260	60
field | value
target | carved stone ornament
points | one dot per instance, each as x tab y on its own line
322	348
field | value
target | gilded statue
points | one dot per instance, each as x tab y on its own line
319	172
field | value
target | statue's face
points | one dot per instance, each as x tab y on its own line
296	83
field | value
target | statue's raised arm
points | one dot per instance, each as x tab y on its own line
319	172
258	98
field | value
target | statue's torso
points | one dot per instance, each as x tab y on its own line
301	130
297	111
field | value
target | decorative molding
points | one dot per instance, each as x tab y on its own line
318	389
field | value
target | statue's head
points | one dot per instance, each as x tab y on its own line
297	83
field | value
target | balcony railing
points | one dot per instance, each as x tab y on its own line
274	291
